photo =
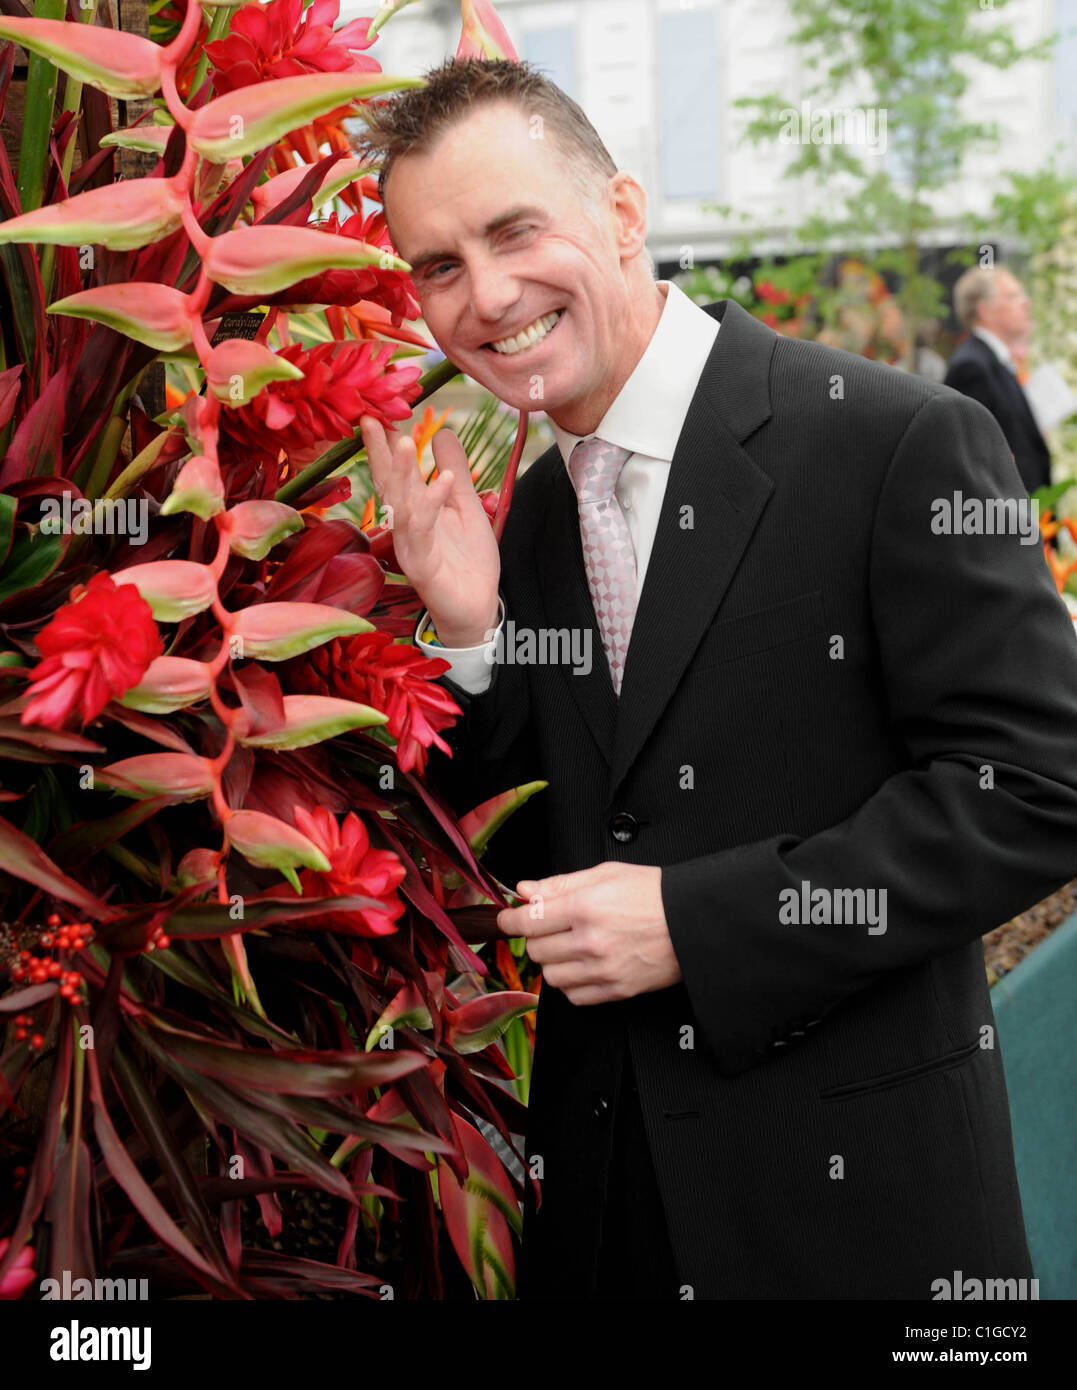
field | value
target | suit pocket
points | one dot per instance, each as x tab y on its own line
729	639
885	1080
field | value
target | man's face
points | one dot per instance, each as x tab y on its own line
1006	313
499	237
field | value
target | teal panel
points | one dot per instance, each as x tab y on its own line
1036	1009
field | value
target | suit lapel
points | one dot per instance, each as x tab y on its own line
714	498
713	501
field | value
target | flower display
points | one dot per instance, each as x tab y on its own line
219	850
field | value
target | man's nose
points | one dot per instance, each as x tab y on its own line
494	290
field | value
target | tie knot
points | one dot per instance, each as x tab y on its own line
594	468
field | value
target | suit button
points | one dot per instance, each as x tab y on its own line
601	1107
623	827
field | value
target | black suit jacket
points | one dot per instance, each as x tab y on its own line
818	689
975	371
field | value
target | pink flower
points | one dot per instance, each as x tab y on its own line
21	1274
341	382
280	40
94	650
355	869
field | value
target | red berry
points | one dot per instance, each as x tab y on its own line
46	938
20	1034
18	973
53	919
164	942
37	1040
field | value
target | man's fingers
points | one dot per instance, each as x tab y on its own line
450	457
538	918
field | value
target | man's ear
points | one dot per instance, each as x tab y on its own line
629	202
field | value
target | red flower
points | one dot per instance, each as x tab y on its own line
392	289
392	677
21	1273
341	383
355	868
95	649
279	40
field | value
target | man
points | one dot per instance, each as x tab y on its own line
822	747
991	304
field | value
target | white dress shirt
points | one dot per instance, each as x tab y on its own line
646	417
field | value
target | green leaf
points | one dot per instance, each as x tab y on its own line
32	558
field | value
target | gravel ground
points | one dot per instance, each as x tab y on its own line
1007	945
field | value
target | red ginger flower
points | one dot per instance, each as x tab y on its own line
392	677
355	868
341	383
279	40
392	289
94	650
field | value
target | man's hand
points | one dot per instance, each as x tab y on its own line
599	934
441	533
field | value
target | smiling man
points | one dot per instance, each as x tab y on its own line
746	1083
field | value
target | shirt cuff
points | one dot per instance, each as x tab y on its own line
472	668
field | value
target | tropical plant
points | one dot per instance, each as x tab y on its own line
238	924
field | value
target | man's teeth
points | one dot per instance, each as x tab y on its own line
533	333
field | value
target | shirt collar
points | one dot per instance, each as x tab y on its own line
997	346
648	412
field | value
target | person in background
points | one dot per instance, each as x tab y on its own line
991	304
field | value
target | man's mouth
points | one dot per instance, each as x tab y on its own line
527	338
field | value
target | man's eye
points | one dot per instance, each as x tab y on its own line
513	230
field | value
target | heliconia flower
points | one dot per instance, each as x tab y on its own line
121	216
282	40
21	1273
237	370
154	314
484	35
273	844
312	719
94	650
393	677
263	260
151	138
253	118
378	283
174	589
352	868
256	527
170	683
121	64
197	866
342	381
278	631
274	191
481	1021
179	776
198	488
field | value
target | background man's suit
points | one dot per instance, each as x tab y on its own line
975	370
798	509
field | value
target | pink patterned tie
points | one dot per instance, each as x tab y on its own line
608	554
